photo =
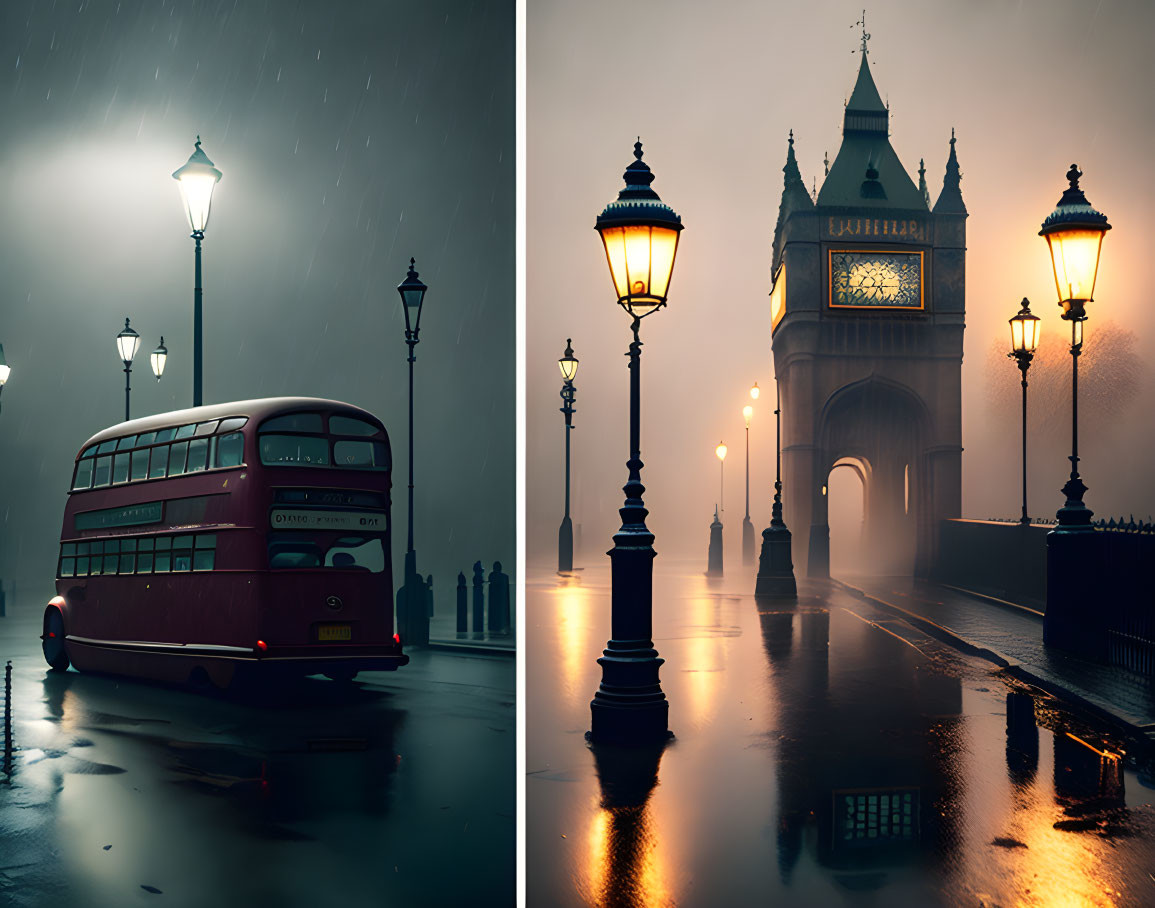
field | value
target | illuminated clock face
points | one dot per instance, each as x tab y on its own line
873	279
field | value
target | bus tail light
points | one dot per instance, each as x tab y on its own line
56	600
262	645
397	639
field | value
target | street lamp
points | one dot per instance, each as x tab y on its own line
569	367
127	343
640	236
775	565
1074	233
158	358
755	391
5	369
412	292
1024	341
747	526
197	178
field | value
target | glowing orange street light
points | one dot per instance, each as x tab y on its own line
755	391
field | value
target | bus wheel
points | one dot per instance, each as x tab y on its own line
341	675
53	641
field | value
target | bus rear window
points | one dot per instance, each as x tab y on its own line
348	425
294	449
348	553
365	455
294	422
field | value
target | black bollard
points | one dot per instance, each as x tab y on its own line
462	604
478	598
498	600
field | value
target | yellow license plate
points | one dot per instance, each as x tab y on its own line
335	632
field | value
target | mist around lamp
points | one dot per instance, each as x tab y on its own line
640	235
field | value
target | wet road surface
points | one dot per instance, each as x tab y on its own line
826	753
395	790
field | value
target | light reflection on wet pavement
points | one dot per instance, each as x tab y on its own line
826	754
398	789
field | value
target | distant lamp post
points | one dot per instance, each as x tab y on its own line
1025	329
158	358
1074	232
197	179
775	564
568	364
747	526
720	452
412	292
755	391
127	343
640	236
5	369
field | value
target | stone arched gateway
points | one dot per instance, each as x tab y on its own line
867	318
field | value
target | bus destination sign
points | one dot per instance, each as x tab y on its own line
132	515
365	521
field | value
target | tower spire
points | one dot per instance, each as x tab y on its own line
950	200
922	183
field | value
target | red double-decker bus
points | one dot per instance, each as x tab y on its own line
248	537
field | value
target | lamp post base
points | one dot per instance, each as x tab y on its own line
775	565
1074	516
629	706
565	546
714	562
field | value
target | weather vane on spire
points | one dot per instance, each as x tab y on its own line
865	33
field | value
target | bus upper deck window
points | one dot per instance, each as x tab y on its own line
294	449
176	458
106	447
198	452
206	428
103	471
294	422
140	464
120	468
348	425
230	450
165	435
159	464
231	424
146	439
186	431
127	442
83	478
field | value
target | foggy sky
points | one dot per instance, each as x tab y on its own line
713	90
351	137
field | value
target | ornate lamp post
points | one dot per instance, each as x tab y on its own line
197	178
5	369
158	358
1024	341
412	292
640	235
1074	232
747	526
569	366
127	343
775	566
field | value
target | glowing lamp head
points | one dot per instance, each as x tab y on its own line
197	178
755	391
640	235
126	343
158	358
568	362
721	451
5	369
1074	232
747	412
1025	329
412	292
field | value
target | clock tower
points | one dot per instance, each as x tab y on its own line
867	312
